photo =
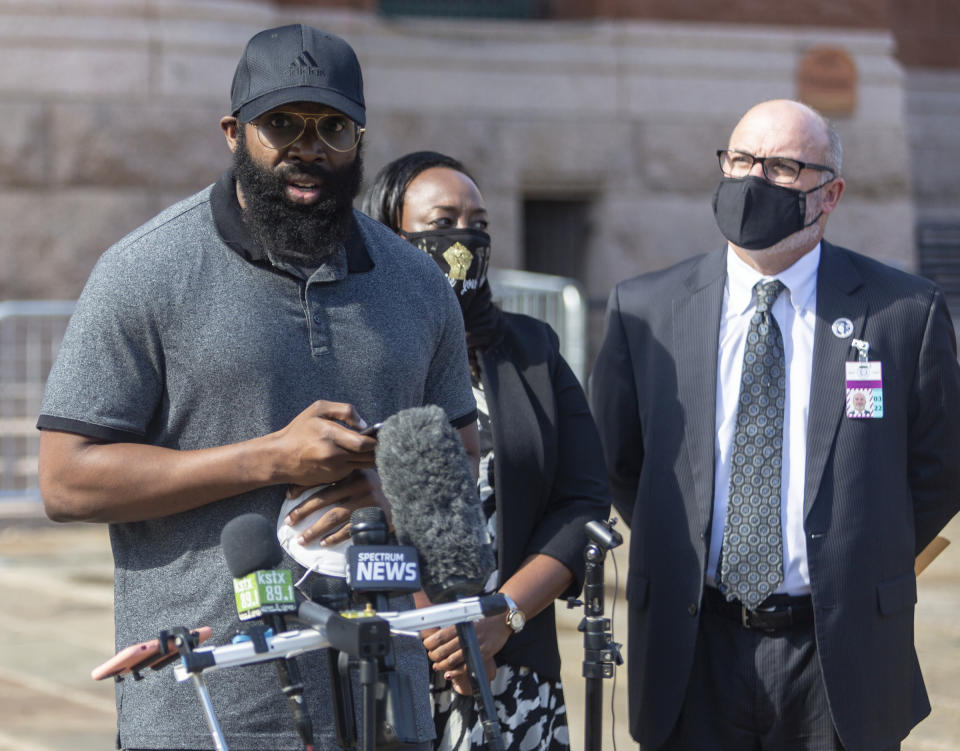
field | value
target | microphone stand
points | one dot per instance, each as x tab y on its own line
338	668
387	710
292	686
363	637
333	593
600	651
480	685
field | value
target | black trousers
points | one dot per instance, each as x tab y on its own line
754	690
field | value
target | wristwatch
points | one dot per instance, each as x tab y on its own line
516	618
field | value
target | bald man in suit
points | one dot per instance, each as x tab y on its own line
781	422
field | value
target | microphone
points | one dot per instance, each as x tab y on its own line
375	568
249	544
361	640
368	526
426	476
252	551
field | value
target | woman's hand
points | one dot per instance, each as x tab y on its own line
446	653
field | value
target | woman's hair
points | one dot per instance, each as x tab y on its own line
383	200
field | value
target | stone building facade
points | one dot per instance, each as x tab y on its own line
590	126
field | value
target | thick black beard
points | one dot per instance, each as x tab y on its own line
301	235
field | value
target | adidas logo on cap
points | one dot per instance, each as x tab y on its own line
306	64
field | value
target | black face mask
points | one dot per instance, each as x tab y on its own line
755	214
463	254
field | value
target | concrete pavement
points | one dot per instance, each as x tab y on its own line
56	624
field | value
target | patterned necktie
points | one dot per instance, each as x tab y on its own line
752	552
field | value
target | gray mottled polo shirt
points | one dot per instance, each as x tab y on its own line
185	337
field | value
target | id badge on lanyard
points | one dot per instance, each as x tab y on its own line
864	388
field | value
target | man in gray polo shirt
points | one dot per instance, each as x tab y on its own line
227	351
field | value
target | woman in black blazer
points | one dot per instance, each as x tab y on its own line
542	476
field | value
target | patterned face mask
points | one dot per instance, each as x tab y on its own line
463	254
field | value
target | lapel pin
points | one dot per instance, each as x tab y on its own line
842	328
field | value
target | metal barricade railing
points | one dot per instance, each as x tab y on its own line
555	299
30	334
31	331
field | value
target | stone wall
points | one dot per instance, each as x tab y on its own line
109	112
848	14
111	109
927	31
933	118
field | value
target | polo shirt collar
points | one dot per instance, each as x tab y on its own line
228	219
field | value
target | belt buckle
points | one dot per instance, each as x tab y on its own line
778	619
787	620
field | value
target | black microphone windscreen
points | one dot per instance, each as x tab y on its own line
249	544
330	591
322	588
368	526
426	476
367	514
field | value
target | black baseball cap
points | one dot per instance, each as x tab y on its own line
297	63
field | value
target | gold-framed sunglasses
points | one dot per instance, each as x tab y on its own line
277	130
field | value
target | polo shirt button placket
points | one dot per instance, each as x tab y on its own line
318	340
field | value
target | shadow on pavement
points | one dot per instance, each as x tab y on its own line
56	582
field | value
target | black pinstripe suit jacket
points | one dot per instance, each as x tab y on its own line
876	490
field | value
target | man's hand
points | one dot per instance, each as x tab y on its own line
88	479
446	654
316	449
359	489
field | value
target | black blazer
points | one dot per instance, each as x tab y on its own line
876	490
549	474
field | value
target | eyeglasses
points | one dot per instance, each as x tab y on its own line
777	169
277	130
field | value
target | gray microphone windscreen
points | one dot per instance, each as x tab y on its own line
426	476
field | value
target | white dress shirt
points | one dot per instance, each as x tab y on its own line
795	311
